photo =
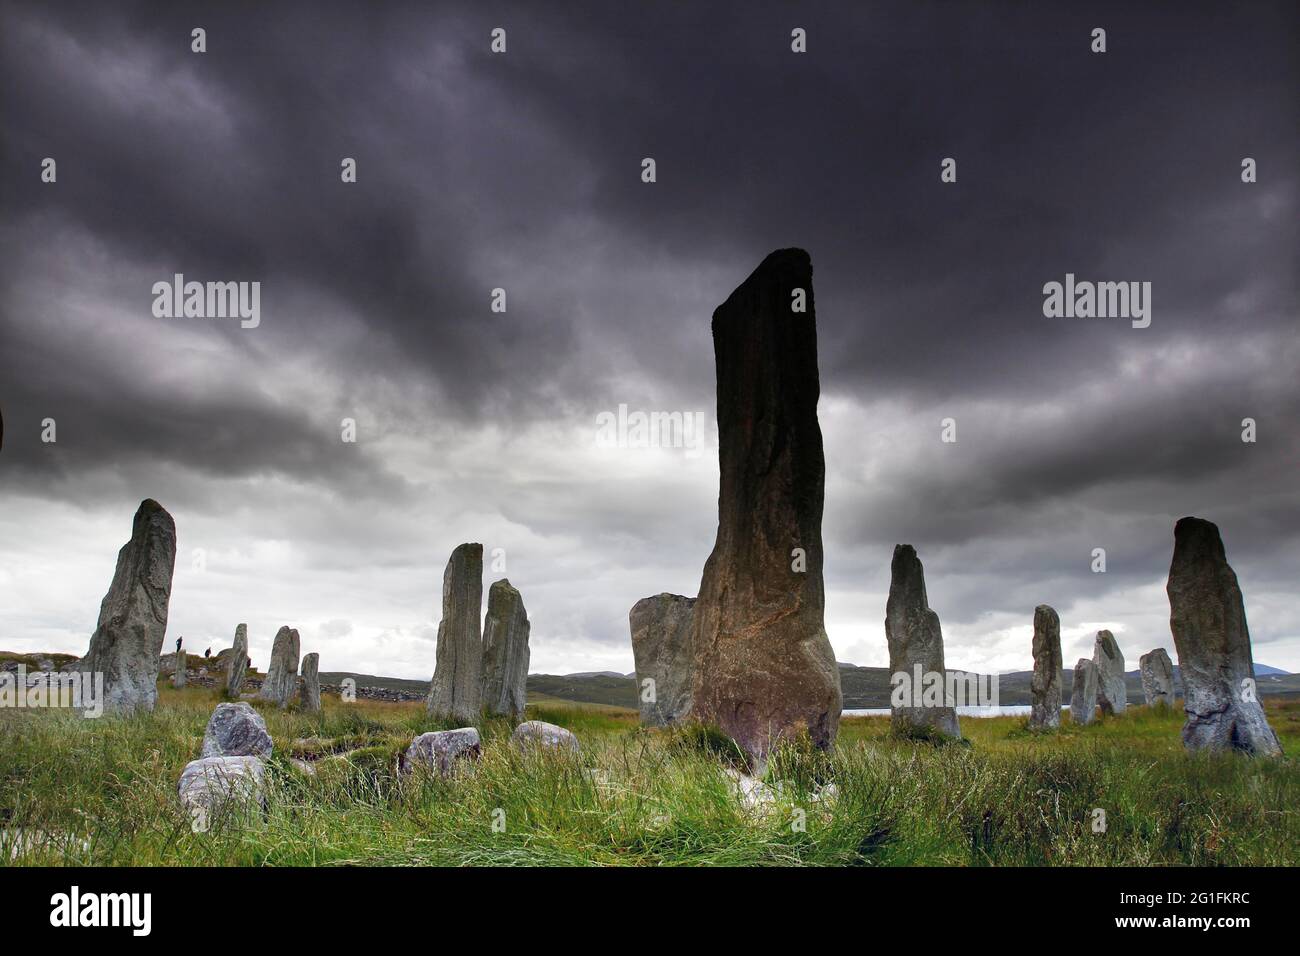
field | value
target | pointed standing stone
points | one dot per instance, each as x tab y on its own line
457	684
1047	680
128	639
1083	695
309	693
764	668
1208	618
661	648
915	652
505	652
1108	661
282	675
237	663
1157	677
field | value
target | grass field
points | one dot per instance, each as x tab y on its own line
75	791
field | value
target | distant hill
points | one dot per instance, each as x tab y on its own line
864	687
1263	670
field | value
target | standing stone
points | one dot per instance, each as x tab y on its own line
1047	680
1083	695
661	648
133	616
309	693
236	730
282	675
457	677
764	669
1108	661
180	672
915	653
505	652
1157	677
237	663
1208	618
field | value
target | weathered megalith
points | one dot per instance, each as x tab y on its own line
309	692
443	751
764	669
661	648
457	686
920	702
133	616
236	730
1208	618
237	662
1045	686
181	670
282	676
1157	677
1083	695
1108	660
505	652
538	733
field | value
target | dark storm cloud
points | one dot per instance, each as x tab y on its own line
522	171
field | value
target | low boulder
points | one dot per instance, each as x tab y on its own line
208	784
442	750
236	730
538	733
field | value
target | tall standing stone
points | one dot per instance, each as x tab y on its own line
128	639
1046	683
282	676
764	668
915	653
505	652
309	693
1157	672
237	663
1083	695
458	674
1208	618
661	649
1108	660
180	673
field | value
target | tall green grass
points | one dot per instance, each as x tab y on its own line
76	791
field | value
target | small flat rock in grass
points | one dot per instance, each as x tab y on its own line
441	750
236	730
207	783
538	733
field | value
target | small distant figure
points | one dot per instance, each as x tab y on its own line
178	644
207	654
250	663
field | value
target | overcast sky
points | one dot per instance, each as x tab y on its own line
522	171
